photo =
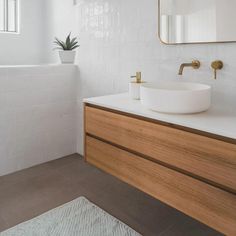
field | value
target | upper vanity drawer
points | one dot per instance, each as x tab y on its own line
197	155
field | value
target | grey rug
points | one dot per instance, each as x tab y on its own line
79	217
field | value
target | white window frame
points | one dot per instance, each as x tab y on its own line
6	18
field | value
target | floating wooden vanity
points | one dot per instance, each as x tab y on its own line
190	170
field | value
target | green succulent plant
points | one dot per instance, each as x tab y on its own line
68	45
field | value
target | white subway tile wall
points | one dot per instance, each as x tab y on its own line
119	38
37	115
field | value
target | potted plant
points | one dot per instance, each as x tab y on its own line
66	53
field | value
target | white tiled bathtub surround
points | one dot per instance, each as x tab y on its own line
37	115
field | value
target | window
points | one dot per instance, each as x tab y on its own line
9	16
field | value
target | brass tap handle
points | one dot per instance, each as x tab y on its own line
138	77
217	65
196	64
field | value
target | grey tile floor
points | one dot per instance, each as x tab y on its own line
31	192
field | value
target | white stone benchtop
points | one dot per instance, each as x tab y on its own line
218	120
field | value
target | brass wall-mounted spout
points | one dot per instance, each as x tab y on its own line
194	64
217	65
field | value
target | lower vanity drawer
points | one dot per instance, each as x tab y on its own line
202	157
206	203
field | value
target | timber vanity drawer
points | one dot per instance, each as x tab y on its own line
203	157
204	202
192	171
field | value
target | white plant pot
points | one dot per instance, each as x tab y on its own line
67	57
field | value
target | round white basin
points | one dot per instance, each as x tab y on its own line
176	97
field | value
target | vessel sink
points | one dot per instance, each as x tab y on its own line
176	97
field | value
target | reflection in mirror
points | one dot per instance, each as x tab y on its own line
197	21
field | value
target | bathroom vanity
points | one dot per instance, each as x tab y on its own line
185	161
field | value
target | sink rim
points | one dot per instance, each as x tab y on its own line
176	97
176	86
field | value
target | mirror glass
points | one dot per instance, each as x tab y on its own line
197	21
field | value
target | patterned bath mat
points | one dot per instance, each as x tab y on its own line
79	217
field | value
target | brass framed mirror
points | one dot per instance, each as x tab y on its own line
196	21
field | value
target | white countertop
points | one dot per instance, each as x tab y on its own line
219	120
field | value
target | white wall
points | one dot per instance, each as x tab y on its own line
27	47
61	20
120	37
37	115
